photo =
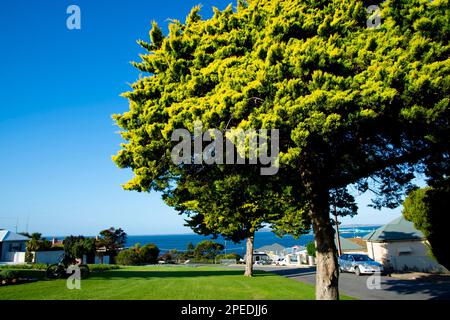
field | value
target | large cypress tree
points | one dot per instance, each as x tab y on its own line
355	105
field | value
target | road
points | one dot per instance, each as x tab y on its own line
390	288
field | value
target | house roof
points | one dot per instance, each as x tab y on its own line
396	230
358	241
275	247
294	249
347	245
6	235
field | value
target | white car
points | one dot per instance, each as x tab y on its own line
359	264
261	262
281	262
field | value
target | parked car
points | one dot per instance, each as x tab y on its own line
262	262
359	264
281	262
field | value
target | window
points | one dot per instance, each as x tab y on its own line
15	247
404	251
361	257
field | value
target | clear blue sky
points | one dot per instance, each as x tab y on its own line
58	89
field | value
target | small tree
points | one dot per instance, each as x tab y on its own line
112	239
428	209
75	247
149	253
190	249
146	254
128	257
207	249
231	256
311	249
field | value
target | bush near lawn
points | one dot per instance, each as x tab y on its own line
8	277
33	266
102	267
231	256
147	254
41	266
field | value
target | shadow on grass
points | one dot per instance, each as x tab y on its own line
126	274
147	274
37	274
295	272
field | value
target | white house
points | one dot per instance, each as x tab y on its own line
401	246
274	251
295	255
12	247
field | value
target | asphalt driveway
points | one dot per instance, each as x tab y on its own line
389	288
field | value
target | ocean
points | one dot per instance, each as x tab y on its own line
262	238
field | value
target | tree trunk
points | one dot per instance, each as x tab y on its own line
249	257
326	258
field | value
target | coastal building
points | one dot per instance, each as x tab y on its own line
400	246
295	255
275	251
12	247
261	257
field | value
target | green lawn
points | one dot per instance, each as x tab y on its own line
165	282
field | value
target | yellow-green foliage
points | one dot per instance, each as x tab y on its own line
350	101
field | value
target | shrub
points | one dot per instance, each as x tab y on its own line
76	247
149	253
127	257
29	256
34	266
233	256
38	245
102	267
207	249
9	274
138	255
311	248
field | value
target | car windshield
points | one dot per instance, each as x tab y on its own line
361	258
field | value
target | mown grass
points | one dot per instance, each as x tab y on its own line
165	282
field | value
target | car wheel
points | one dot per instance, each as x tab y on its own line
357	271
341	270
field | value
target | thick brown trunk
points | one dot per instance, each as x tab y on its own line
326	258
249	257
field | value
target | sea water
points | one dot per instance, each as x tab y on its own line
262	238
